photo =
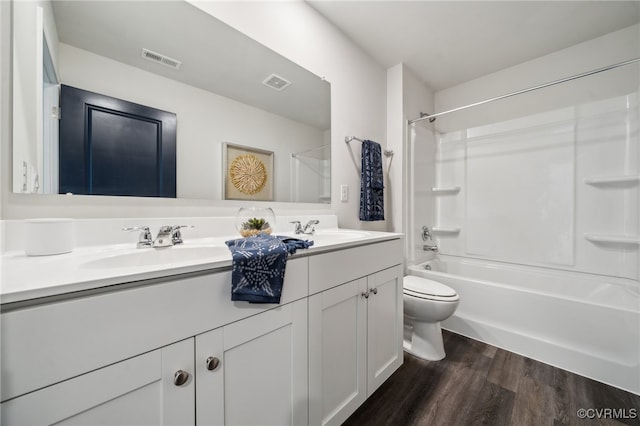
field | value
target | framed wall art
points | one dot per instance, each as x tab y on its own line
248	173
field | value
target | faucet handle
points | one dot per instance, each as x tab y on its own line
426	233
309	228
176	235
297	227
145	239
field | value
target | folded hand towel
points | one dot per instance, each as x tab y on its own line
259	265
371	182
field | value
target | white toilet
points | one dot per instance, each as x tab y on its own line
426	303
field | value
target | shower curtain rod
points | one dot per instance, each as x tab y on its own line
530	89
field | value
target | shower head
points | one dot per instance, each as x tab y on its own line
424	114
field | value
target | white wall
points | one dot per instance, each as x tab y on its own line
5	102
296	31
395	165
419	98
358	84
412	168
609	49
205	121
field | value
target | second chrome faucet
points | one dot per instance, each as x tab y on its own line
167	236
308	229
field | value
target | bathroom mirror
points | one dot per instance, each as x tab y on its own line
223	87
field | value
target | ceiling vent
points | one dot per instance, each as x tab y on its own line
276	82
161	59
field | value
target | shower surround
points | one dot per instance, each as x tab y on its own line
536	216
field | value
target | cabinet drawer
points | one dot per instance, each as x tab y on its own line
331	269
82	393
47	344
140	390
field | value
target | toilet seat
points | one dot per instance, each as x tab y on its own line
424	288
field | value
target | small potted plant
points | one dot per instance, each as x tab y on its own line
255	226
254	221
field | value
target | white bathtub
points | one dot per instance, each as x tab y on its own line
583	323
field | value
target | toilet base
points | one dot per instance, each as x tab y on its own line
423	340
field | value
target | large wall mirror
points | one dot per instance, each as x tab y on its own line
224	88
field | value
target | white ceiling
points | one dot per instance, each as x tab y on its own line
449	42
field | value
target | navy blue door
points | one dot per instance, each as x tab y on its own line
109	146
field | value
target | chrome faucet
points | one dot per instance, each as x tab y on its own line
145	239
169	236
308	229
433	248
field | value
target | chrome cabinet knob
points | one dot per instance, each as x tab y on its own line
365	294
374	290
212	363
180	378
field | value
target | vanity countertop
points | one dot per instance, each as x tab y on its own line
30	277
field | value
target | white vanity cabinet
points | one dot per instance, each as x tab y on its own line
254	371
176	350
144	390
355	328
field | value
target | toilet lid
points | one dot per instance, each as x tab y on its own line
427	287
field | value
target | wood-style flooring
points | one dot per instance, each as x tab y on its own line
478	384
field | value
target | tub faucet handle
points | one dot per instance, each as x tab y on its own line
426	233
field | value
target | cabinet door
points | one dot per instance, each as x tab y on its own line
209	378
384	326
265	368
139	391
337	352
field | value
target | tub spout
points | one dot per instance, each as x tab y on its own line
427	247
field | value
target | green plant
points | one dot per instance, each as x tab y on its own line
255	223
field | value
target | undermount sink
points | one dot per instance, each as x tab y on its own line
159	256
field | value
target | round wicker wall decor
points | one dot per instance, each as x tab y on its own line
248	174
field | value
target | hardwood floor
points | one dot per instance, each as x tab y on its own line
478	384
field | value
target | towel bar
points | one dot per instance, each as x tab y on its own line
386	152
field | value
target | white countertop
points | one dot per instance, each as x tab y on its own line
86	268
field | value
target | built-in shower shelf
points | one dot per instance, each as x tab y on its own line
615	239
445	189
445	230
612	180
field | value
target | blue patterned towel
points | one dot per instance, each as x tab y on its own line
371	182
259	264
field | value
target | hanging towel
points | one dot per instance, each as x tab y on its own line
259	264
371	182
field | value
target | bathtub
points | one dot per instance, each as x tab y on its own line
583	323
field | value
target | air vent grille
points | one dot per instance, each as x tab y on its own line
276	82
161	59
